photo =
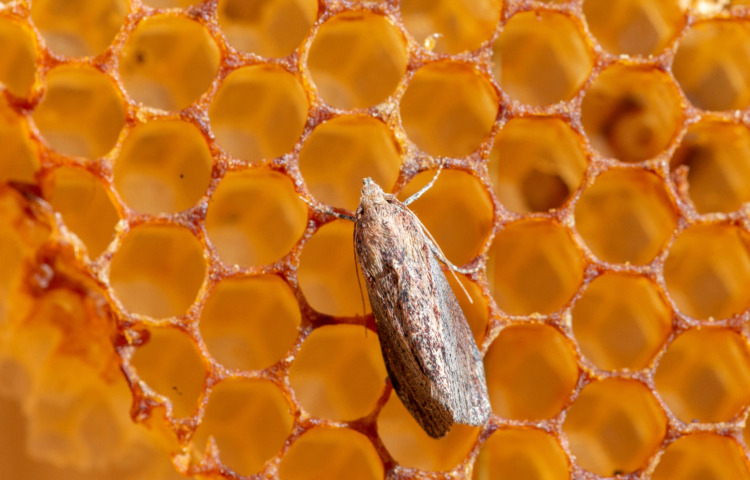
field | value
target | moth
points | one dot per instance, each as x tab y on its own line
432	360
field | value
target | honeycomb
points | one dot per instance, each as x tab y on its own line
174	300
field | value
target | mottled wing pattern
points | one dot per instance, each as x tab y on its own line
468	388
432	360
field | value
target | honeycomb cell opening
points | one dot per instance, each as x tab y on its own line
531	371
81	113
168	62
631	113
448	109
163	167
157	270
707	271
258	112
536	164
640	216
621	321
249	420
260	235
704	376
614	426
712	65
541	58
250	322
357	59
533	267
716	155
345	386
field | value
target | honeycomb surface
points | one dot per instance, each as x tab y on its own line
175	300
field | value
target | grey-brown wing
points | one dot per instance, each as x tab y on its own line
467	389
431	357
411	378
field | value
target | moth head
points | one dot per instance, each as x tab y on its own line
372	194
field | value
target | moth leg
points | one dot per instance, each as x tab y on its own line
328	211
425	188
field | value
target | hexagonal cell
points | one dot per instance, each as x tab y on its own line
705	454
263	233
474	306
712	64
84	203
531	372
631	113
614	426
708	270
512	453
249	420
78	28
536	164
717	157
411	447
168	62
81	112
626	216
621	321
541	57
533	266
344	386
270	28
157	270
455	26
258	112
327	272
357	59
18	62
448	109
634	27
342	151
705	375
460	224
164	166
19	160
171	365
250	322
335	454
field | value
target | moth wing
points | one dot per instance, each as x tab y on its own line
408	374
467	389
431	358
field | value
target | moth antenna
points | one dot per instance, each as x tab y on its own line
425	188
328	211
